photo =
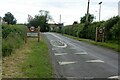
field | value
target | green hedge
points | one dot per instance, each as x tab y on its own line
12	38
112	29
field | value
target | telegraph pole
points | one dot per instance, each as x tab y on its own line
60	19
87	12
86	22
100	9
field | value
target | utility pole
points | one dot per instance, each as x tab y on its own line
87	12
60	24
100	9
86	22
60	19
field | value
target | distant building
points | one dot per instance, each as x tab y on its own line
53	25
119	8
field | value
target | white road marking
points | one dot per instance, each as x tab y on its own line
81	53
71	77
62	46
95	61
53	48
81	77
60	54
64	63
114	77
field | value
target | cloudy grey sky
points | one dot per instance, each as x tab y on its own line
70	10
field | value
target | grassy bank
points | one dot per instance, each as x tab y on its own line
38	63
29	61
110	45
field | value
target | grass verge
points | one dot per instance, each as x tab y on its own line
105	44
37	64
29	61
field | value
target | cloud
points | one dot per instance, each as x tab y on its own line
70	10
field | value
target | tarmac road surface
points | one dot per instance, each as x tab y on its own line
74	59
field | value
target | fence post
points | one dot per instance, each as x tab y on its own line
96	38
25	34
38	34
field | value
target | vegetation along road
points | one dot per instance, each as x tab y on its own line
62	51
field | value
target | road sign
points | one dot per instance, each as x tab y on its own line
100	33
101	30
32	29
32	32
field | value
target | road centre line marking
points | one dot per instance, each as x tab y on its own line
64	63
81	53
114	77
80	77
71	77
95	61
59	54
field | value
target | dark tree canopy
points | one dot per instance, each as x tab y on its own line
41	20
90	18
75	22
9	18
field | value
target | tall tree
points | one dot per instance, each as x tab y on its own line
90	18
41	20
84	32
9	18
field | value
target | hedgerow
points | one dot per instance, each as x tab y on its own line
12	38
112	29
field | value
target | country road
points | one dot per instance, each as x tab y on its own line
74	59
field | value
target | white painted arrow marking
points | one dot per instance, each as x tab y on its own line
64	45
95	61
64	63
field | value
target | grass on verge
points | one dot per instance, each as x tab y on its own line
29	61
38	63
110	45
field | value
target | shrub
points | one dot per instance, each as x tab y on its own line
12	38
112	29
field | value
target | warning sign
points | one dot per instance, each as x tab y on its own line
32	29
33	32
100	33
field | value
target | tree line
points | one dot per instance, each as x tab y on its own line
41	20
112	28
82	30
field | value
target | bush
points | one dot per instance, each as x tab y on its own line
109	24
80	30
12	38
115	30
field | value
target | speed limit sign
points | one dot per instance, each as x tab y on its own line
100	30
32	29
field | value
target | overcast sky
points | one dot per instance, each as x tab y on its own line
70	10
